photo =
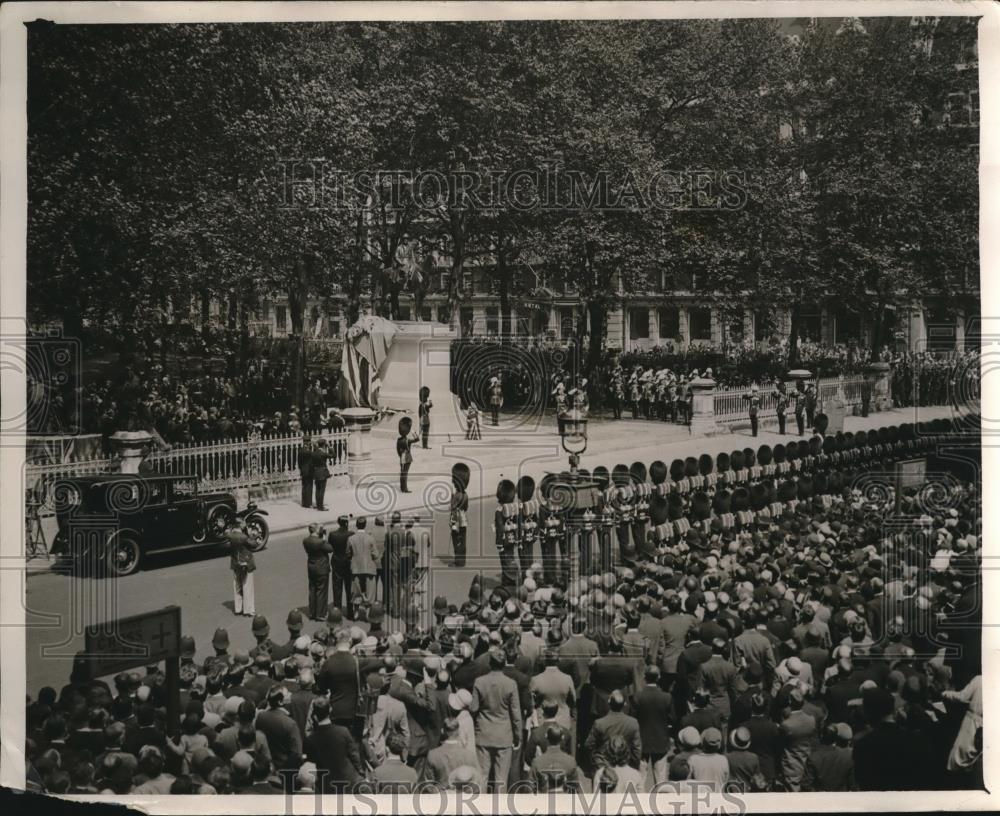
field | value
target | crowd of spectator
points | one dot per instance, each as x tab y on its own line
206	407
811	648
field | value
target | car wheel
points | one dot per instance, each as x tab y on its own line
218	522
124	556
258	525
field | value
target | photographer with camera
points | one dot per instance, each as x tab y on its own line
318	551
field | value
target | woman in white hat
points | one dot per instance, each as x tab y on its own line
460	704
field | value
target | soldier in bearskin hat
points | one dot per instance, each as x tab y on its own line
505	526
624	505
458	520
403	443
424	413
527	523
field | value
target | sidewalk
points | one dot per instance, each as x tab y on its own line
514	450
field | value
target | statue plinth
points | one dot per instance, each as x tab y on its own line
130	447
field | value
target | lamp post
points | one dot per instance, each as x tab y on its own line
579	495
573	435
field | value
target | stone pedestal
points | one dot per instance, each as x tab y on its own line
835	411
881	376
131	447
359	452
703	406
420	355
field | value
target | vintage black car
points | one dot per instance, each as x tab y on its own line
114	522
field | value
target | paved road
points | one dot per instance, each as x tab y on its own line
59	607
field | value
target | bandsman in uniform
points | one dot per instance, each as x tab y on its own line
641	490
551	526
505	526
624	505
527	523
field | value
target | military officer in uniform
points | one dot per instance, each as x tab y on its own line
754	399
781	405
496	398
800	407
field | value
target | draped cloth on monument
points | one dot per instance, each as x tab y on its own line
365	349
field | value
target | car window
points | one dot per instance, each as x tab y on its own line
156	492
183	490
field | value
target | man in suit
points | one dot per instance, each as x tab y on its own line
754	646
340	561
555	687
283	738
830	766
363	566
654	709
616	723
650	628
537	740
407	685
448	756
576	653
722	680
497	713
609	673
393	775
320	471
798	730
318	571
554	768
689	664
333	750
306	471
676	626
388	718
340	675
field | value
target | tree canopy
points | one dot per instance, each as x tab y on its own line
161	160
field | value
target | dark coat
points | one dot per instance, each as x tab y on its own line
320	472
334	750
305	463
654	711
340	675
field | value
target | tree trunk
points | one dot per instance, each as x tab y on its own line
597	313
233	310
878	330
297	297
455	288
793	338
504	281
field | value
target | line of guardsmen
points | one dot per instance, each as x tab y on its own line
653	393
642	509
802	399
